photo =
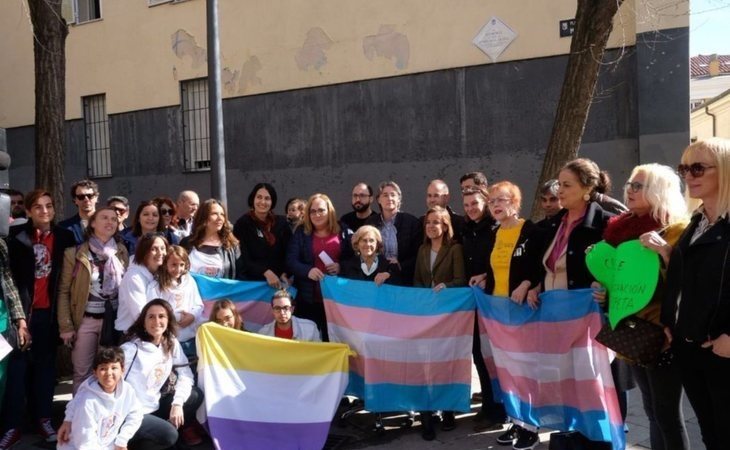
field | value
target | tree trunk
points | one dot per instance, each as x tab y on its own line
593	25
49	51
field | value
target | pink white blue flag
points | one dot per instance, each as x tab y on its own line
413	345
550	371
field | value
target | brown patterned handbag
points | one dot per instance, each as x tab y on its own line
635	339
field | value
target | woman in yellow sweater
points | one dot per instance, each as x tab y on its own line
513	269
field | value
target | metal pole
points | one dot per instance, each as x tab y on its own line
215	107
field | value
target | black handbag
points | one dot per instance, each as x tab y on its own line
635	339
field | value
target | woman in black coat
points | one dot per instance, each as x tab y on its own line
568	234
263	238
696	308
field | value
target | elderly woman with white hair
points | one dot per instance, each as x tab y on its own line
657	216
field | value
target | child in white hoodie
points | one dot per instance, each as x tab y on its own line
105	412
175	285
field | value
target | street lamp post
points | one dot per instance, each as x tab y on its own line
215	107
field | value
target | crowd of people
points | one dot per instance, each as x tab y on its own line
123	300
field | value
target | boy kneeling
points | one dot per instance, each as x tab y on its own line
104	413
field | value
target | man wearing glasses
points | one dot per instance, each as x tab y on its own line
285	325
120	205
85	194
362	200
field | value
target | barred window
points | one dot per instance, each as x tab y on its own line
80	11
194	94
96	125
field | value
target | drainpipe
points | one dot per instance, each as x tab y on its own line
714	120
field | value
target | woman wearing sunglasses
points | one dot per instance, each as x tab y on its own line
657	216
696	307
167	211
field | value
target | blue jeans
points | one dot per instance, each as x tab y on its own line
32	372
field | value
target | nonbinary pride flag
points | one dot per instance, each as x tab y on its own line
550	371
413	344
269	393
252	298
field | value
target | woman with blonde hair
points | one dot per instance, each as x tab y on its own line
314	251
368	263
657	216
696	305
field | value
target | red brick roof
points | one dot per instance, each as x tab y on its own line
700	64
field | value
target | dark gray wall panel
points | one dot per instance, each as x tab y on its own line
146	142
496	118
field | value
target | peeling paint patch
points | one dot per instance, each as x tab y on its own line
183	44
249	74
229	80
388	44
312	53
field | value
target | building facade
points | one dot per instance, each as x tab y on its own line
324	93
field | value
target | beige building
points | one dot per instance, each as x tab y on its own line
321	92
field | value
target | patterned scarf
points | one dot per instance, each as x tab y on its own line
113	268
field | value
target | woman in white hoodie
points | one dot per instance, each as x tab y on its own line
148	257
152	352
104	413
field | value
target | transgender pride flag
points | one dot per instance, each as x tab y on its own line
413	345
252	298
550	371
268	393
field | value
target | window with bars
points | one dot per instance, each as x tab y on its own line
80	11
194	94
96	125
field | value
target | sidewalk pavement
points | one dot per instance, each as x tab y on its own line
357	432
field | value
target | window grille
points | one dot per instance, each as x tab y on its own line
96	125
194	103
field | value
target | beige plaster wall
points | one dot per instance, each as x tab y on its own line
701	123
137	54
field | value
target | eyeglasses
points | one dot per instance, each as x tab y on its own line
696	169
282	308
165	212
317	212
81	197
496	201
120	210
634	186
360	195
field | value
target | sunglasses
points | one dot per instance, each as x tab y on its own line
120	210
166	212
81	197
634	186
696	169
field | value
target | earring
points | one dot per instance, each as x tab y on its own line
586	197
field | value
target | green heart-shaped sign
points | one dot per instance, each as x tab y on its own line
629	273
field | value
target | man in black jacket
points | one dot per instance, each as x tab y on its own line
85	194
36	258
